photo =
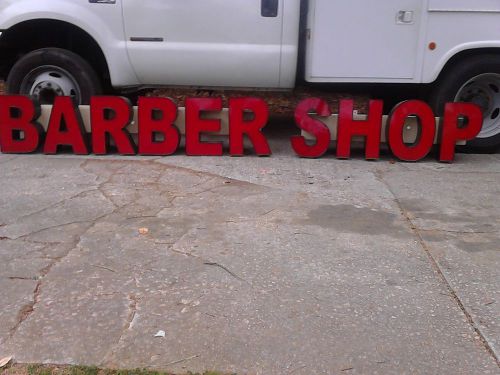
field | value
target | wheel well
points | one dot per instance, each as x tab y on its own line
459	57
35	34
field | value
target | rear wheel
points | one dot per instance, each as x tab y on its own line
49	72
475	80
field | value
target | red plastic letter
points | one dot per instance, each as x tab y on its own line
157	115
65	115
19	133
451	132
313	126
370	128
110	115
426	132
195	126
238	126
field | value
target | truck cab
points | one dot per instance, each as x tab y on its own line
237	43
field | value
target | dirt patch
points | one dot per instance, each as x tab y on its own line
279	102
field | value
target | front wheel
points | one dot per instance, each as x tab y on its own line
475	80
49	72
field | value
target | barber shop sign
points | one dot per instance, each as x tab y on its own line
157	134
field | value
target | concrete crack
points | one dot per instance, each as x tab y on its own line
52	227
82	193
205	262
182	360
210	179
103	268
133	302
183	253
455	231
100	187
129	322
143	217
225	269
27	309
106	181
437	269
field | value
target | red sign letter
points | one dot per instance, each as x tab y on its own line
314	127
195	126
19	133
370	128
451	132
238	126
65	114
110	116
426	132
157	115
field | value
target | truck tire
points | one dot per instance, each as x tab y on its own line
477	80
49	72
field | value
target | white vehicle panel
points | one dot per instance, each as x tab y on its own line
204	43
464	5
364	41
290	43
455	29
102	21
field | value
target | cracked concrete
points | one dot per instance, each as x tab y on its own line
252	265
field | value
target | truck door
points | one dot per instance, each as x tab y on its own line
205	42
364	40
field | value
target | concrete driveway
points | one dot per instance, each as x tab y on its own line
252	265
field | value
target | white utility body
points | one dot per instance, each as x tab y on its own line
84	47
389	40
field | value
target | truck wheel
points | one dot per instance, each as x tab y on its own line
49	72
475	80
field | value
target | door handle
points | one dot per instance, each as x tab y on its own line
269	8
405	17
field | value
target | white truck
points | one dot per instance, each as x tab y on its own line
81	48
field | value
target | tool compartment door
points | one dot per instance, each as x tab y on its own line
364	40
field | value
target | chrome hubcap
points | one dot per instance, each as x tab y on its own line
484	90
46	82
